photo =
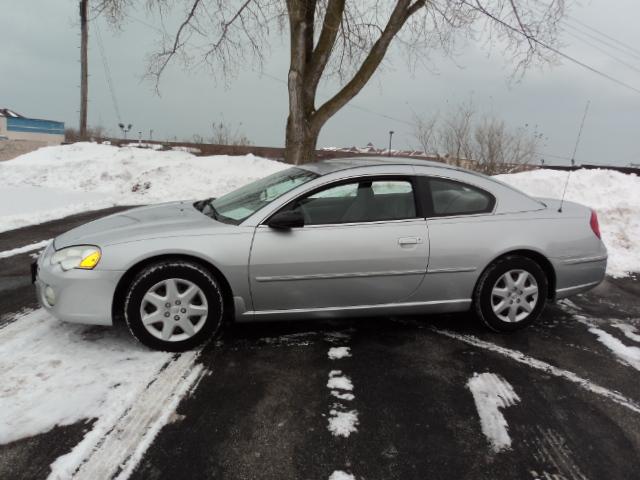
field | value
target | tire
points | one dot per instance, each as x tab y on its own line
517	281
172	295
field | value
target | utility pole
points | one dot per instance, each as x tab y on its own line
84	65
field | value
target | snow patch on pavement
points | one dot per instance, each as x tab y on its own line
629	331
343	423
340	475
25	249
54	182
339	381
549	369
626	354
343	396
491	393
56	374
336	353
613	195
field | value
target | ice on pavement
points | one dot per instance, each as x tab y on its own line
491	394
58	374
54	182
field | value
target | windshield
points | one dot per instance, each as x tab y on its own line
236	206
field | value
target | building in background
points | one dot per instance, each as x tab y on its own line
19	134
15	127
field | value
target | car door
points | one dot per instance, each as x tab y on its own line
364	242
460	232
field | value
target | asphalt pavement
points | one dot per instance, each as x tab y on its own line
263	408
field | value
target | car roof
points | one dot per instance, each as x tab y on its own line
325	167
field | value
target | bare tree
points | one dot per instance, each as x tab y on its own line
347	40
455	134
487	146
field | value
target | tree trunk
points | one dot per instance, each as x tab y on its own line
300	146
84	82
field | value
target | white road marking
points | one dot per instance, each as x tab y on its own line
26	248
520	357
491	393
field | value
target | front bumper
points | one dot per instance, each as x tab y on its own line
81	296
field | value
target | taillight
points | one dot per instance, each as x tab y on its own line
594	223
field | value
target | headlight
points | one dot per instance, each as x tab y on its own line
81	256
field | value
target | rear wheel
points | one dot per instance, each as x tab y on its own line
511	293
174	305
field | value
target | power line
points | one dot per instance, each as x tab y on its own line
628	47
608	54
552	49
107	72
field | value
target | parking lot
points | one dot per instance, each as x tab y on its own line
375	398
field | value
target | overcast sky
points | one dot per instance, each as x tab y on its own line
39	77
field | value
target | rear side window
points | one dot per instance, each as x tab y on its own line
449	197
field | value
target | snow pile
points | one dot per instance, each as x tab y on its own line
58	374
54	182
613	195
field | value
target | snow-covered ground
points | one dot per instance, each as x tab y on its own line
54	182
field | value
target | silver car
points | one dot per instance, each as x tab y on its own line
349	237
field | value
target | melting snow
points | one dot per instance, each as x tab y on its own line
627	355
343	423
26	248
343	396
335	353
491	393
629	331
340	475
339	381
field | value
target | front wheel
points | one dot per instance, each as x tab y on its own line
511	293
174	305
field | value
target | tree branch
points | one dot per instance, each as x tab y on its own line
318	61
401	13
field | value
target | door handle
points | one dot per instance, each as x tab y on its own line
409	240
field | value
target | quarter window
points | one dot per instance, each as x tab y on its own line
359	201
455	198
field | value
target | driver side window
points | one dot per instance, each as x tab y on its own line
359	201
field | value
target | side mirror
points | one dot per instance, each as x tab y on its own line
286	220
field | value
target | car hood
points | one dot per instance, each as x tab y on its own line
156	221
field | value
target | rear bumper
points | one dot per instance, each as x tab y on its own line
81	296
575	276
